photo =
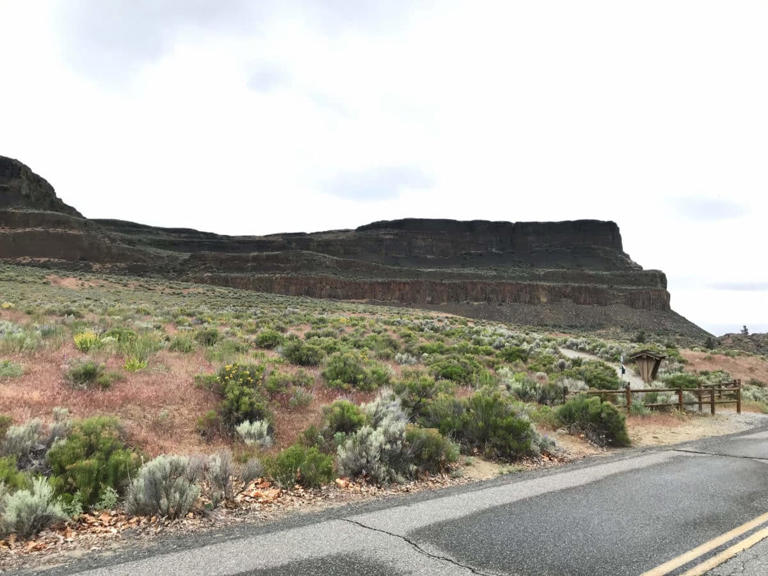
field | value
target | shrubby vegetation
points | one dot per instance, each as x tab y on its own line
600	421
302	465
350	369
93	458
27	511
443	385
165	486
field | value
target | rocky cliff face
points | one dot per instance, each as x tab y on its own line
22	189
573	274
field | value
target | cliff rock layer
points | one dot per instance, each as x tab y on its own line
22	189
570	274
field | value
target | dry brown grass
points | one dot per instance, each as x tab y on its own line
744	368
159	406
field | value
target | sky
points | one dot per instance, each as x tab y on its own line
256	117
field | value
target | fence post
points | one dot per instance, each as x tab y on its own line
738	396
565	394
628	392
680	399
712	401
698	393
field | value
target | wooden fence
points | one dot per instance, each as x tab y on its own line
710	394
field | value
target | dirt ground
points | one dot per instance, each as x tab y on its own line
662	429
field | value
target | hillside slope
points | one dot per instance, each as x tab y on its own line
569	274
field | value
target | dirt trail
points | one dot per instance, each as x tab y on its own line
635	382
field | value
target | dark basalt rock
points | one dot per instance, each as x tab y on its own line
22	189
571	274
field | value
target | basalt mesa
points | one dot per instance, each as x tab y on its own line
572	274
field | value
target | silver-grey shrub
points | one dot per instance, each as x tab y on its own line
164	486
255	433
218	476
21	441
251	470
26	512
377	450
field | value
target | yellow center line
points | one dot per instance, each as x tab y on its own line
691	555
727	554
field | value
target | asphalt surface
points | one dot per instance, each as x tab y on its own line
610	516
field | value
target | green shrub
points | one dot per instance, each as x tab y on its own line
490	425
207	337
88	374
183	344
544	416
269	339
488	422
459	369
279	382
429	450
240	398
513	354
10	474
297	352
10	370
444	413
349	369
600	421
298	464
300	398
121	335
416	391
141	347
209	425
343	416
682	380
527	389
93	458
165	486
595	374
27	512
542	362
5	423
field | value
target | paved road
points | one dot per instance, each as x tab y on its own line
612	516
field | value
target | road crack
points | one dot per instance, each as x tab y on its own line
703	453
419	549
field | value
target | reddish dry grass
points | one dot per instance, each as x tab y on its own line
743	367
289	424
159	406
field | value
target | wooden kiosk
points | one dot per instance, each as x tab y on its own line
648	363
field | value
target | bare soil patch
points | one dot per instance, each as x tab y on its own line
660	429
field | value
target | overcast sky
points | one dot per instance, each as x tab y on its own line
249	117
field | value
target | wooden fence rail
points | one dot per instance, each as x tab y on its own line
711	394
